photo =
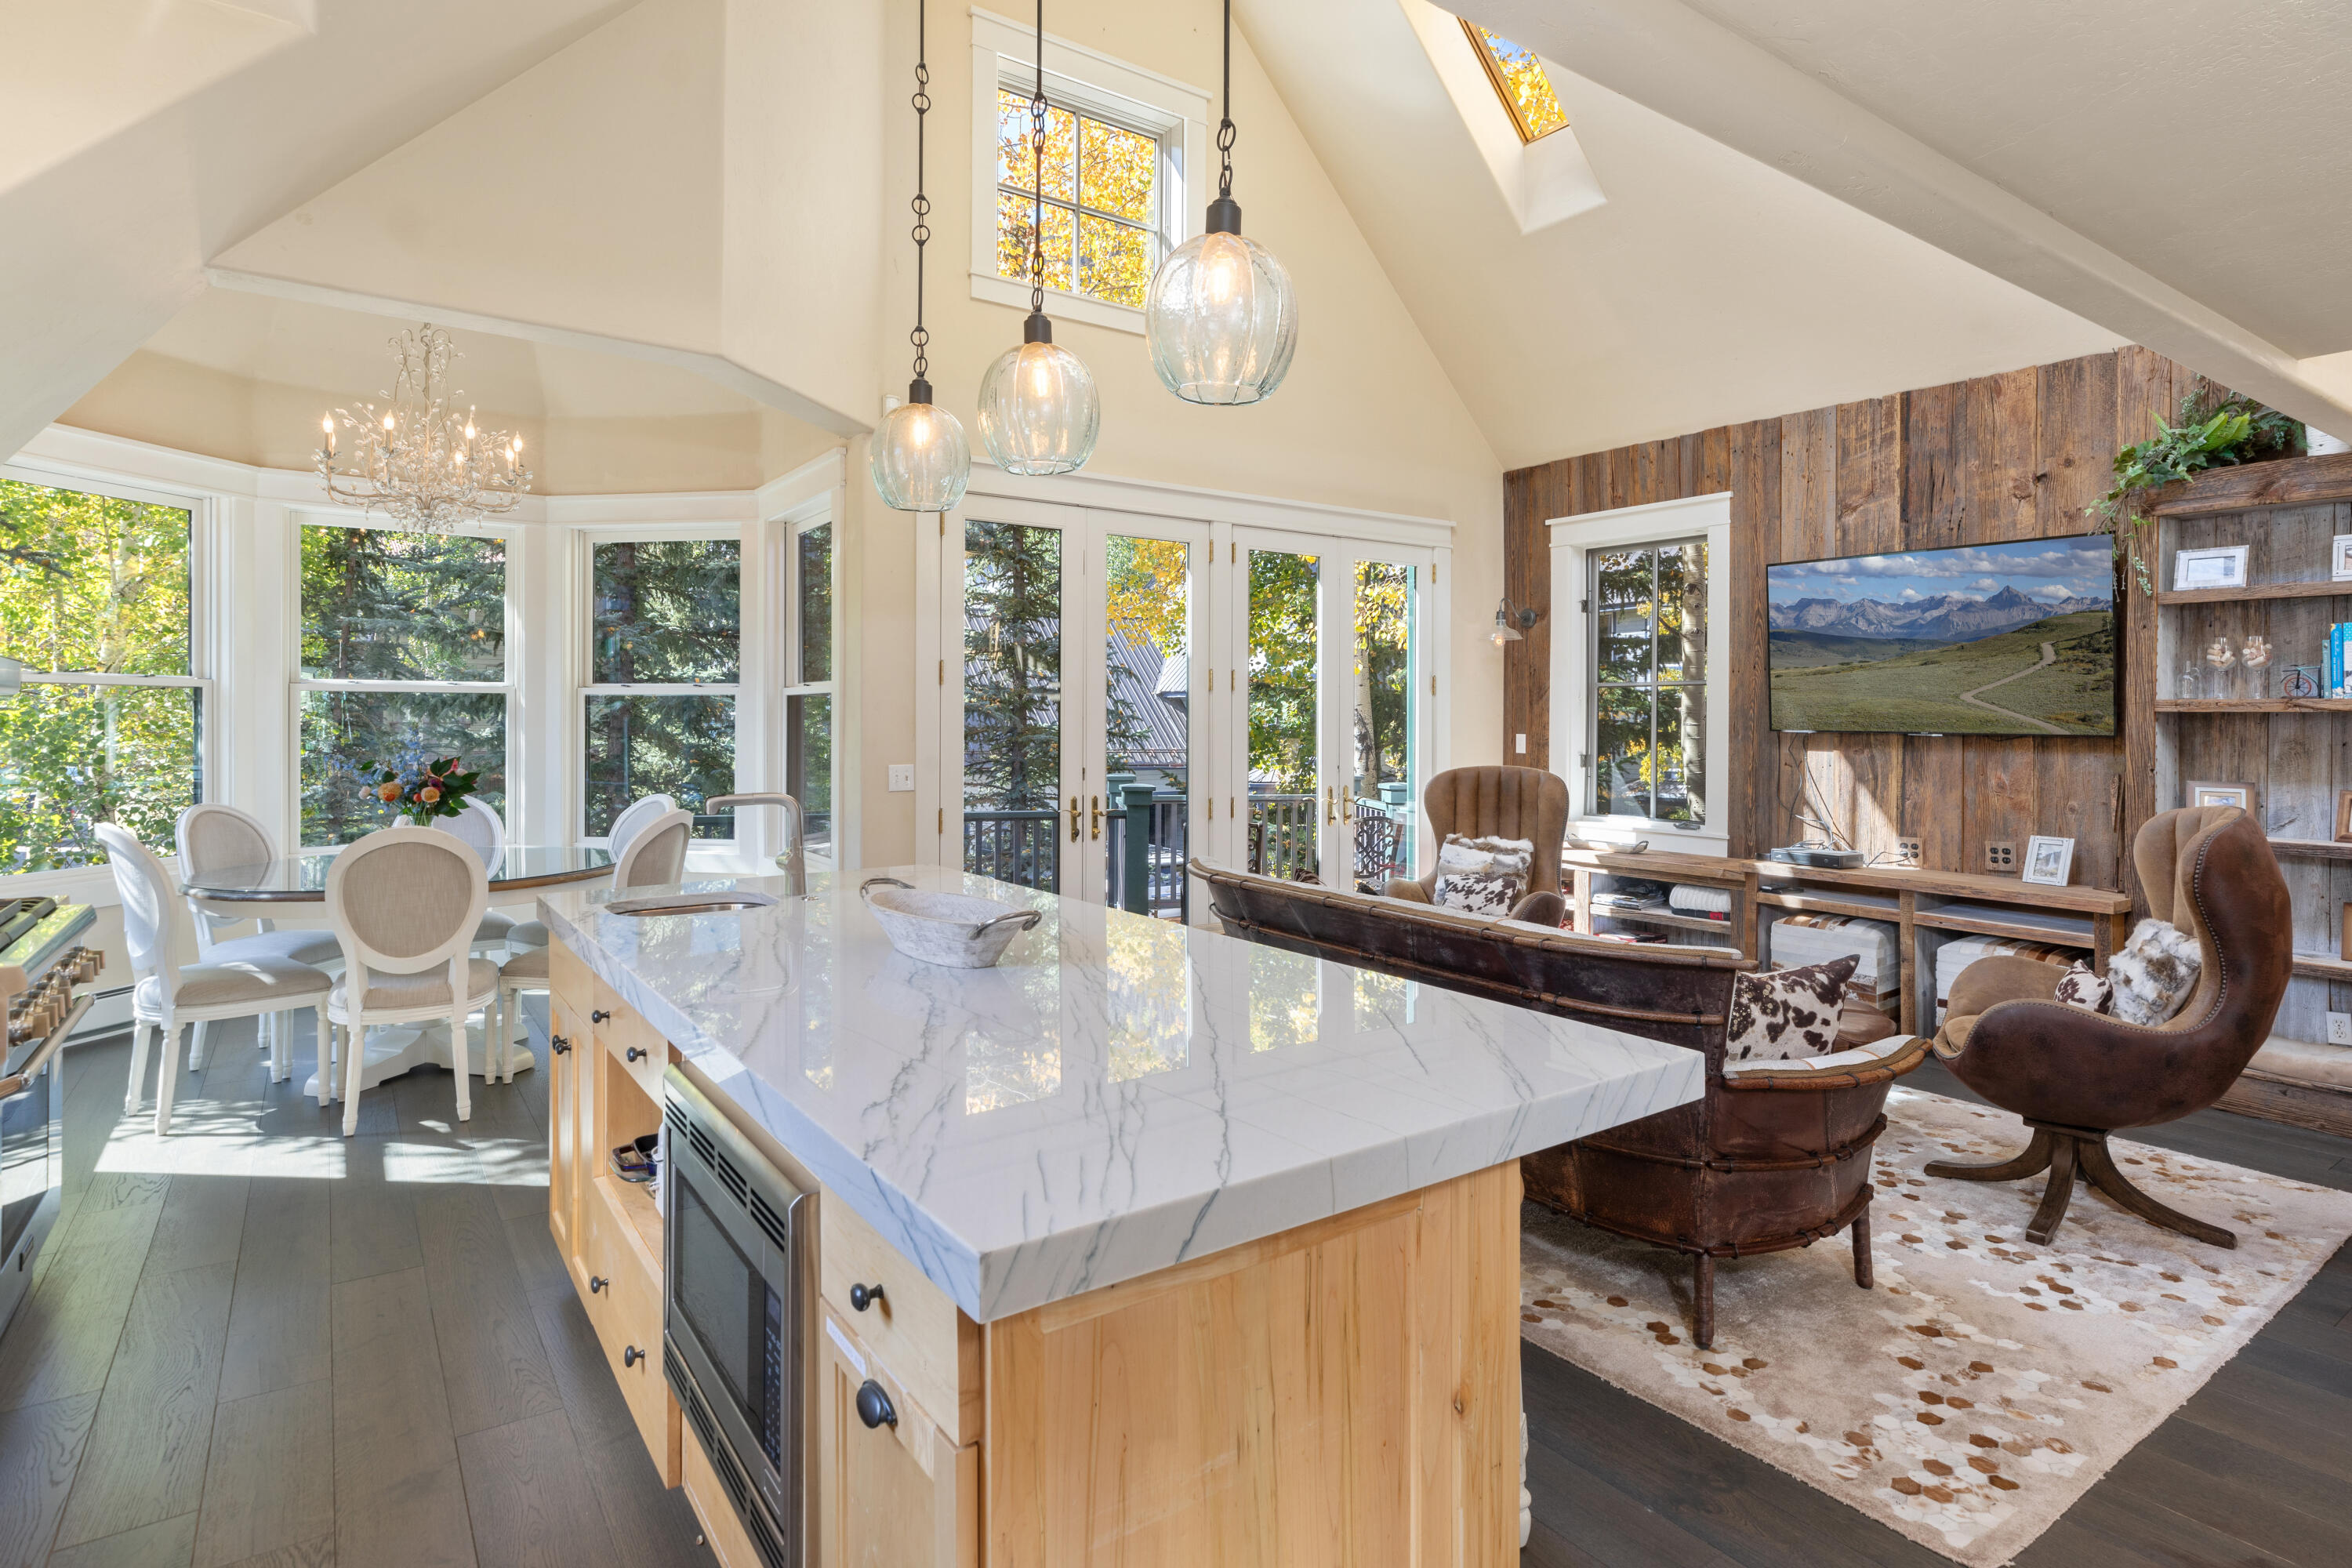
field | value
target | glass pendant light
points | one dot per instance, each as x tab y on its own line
1039	412
921	461
1221	318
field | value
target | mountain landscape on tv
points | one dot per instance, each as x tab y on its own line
2025	645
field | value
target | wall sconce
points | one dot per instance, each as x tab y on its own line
1512	626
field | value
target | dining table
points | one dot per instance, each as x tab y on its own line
276	890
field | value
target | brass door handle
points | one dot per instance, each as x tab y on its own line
1096	802
1074	819
1330	804
1347	805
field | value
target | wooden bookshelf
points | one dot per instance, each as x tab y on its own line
2327	590
2254	704
2310	849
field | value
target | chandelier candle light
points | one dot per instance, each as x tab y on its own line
921	461
1221	319
1039	412
420	462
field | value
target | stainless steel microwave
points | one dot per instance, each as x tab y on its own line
739	1274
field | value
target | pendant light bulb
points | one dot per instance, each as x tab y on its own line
1220	317
919	458
1039	411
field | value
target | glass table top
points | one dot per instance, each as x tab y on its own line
304	876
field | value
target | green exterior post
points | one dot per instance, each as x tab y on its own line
1135	875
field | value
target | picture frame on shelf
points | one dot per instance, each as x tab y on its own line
2209	792
2048	862
2215	566
2340	559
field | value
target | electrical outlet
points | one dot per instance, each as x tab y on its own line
902	776
1907	852
2001	856
2339	1029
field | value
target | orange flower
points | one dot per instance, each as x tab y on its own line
388	792
428	794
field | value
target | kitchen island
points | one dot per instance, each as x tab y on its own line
1188	1249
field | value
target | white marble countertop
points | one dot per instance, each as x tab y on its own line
1120	1094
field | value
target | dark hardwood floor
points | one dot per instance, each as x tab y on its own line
315	1352
2255	1469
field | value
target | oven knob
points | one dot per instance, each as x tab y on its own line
864	1295
631	1355
873	1405
596	1282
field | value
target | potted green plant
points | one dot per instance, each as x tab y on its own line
2213	429
436	789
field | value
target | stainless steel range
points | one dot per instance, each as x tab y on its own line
41	962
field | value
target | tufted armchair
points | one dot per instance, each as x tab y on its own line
1500	802
2077	1076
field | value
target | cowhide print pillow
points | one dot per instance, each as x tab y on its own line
1785	1013
1481	892
2154	974
2085	987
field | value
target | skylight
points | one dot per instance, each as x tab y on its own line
1520	81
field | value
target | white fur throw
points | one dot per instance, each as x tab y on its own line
2154	974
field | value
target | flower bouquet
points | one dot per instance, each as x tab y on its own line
436	789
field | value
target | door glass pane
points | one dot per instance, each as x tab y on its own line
346	733
1283	762
815	585
382	605
1013	702
1146	723
1381	723
668	610
679	744
808	766
74	756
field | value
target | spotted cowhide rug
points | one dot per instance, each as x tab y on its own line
1984	1384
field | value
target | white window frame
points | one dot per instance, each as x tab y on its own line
1543	182
203	549
582	619
516	781
1574	541
1004	55
802	520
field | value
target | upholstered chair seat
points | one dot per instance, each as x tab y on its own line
258	984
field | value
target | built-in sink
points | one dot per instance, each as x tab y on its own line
721	903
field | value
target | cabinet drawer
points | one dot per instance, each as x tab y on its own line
888	1496
620	1030
568	977
627	1315
915	1330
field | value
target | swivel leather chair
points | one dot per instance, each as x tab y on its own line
1505	803
2077	1076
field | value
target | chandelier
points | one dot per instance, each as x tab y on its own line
419	461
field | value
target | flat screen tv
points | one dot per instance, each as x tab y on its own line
1983	639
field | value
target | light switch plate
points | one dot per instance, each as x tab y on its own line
1906	851
2000	855
2339	1029
1522	747
902	776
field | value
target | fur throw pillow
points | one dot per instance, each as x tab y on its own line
1461	853
2154	974
2085	987
1787	1013
1483	876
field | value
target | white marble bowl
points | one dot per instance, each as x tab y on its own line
946	929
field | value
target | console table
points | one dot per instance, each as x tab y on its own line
1927	908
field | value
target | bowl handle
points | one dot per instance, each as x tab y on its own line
866	889
1028	920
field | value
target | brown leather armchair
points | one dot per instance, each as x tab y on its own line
1500	802
2077	1076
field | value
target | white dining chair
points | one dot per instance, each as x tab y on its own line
168	991
404	904
480	825
633	819
212	837
654	857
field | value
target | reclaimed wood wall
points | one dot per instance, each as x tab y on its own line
2016	455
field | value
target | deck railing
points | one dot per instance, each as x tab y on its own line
1017	847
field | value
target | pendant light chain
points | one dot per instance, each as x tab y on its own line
1225	126
921	337
1038	145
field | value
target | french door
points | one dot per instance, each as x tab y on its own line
1136	690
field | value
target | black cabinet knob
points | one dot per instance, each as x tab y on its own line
596	1282
864	1295
631	1355
599	1015
559	1045
636	1053
873	1405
